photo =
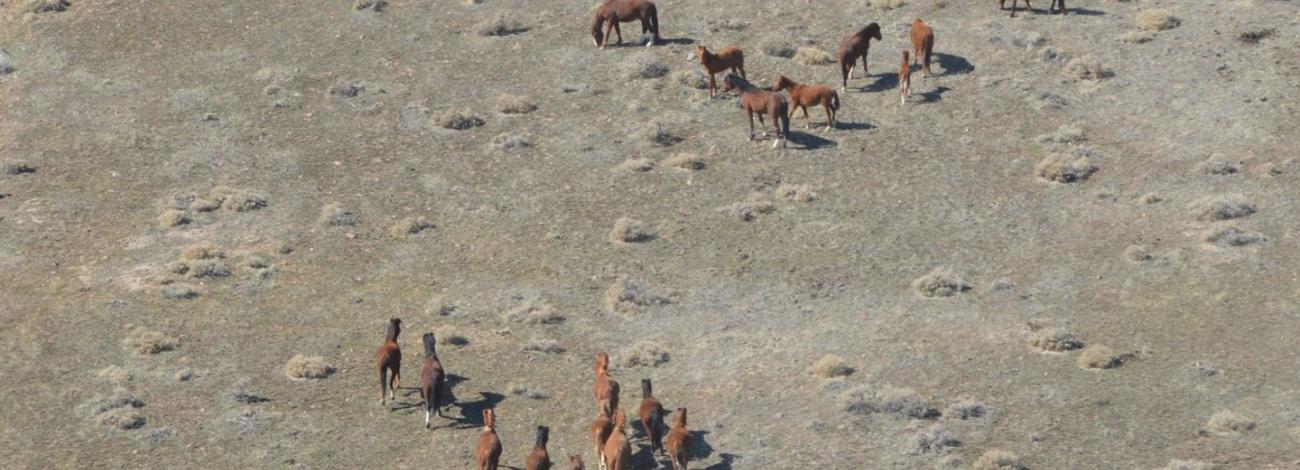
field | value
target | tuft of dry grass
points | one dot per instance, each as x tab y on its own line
684	161
146	342
644	65
201	251
636	165
966	408
1098	357
407	226
1221	207
830	366
627	297
900	402
691	78
1228	423
448	335
6	63
14	168
1157	20
530	313
1254	37
1176	464
1085	68
173	218
1066	134
510	142
302	367
777	47
1062	168
749	209
795	192
515	104
998	459
45	6
124	419
813	56
546	346
120	398
1232	236
1137	37
212	268
375	5
334	215
885	4
441	306
178	292
1052	340
935	440
114	374
655	134
238	200
1219	165
940	282
526	391
642	354
499	25
458	119
627	230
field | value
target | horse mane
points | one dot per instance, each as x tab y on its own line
783	81
743	84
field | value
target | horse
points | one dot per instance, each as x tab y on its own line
652	417
923	43
618	452
432	380
606	388
679	441
853	47
539	459
575	462
904	79
601	427
802	96
614	12
758	101
389	357
489	446
1002	5
730	58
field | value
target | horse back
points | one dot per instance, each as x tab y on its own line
850	48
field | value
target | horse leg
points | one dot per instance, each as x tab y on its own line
808	123
830	115
751	123
776	124
865	74
619	32
845	71
397	381
760	123
609	30
713	85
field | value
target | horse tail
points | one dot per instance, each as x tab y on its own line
654	21
656	431
835	101
383	380
929	46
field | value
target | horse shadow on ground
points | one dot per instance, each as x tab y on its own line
646	38
884	81
934	95
1085	12
810	141
725	464
953	65
471	412
854	126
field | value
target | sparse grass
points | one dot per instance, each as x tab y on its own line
440	305
13	168
627	297
45	6
6	63
1063	168
515	104
1052	340
642	354
940	282
684	161
546	346
302	367
334	215
644	65
1151	198
998	459
690	78
966	408
1228	423
813	56
146	342
1219	165
458	119
124	419
173	218
530	313
795	192
408	226
777	47
830	366
510	142
1157	20
1098	357
628	230
1221	207
241	392
1176	464
499	25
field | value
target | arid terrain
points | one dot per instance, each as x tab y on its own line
1077	246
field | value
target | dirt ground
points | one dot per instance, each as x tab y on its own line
195	192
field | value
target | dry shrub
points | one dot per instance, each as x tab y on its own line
515	104
644	65
146	342
1098	357
636	165
777	47
448	335
1227	423
627	230
1151	198
885	4
1085	68
1222	207
642	354
458	119
1176	464
120	398
935	440
894	401
998	459
546	346
1254	37
302	367
830	366
1138	254
656	135
499	25
684	161
1219	165
13	168
173	218
966	408
1052	340
43	6
441	306
408	226
334	215
510	142
530	313
1232	236
114	374
795	192
1062	168
940	282
526	391
627	296
120	418
813	56
1137	37
749	209
1066	134
375	5
178	292
241	392
691	78
1157	20
201	251
241	200
211	268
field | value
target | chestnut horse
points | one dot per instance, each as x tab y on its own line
606	388
679	442
389	357
652	417
802	96
432	380
489	446
539	459
1002	5
730	58
618	452
923	43
853	47
758	101
613	12
904	79
600	429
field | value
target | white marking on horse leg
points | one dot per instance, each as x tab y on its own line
776	142
426	419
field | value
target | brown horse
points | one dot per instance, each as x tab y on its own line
489	446
613	12
923	43
389	357
853	47
606	388
904	79
802	96
758	101
730	58
539	459
679	442
601	427
1002	5
432	380
618	452
652	417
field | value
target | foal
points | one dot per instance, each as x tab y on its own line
652	417
679	442
759	101
614	12
618	453
489	446
1002	5
923	43
601	427
539	459
853	47
606	388
432	380
389	357
730	58
904	79
802	96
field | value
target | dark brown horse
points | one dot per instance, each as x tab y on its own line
802	96
679	442
389	358
432	380
613	12
539	459
853	47
923	43
652	417
759	101
1002	5
729	58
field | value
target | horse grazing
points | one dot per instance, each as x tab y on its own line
904	79
1002	5
601	427
432	380
923	43
575	463
679	442
389	357
618	452
489	446
759	101
539	459
802	96
613	12
853	47
730	58
606	388
652	416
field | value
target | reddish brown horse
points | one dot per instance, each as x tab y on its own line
389	358
652	417
730	58
618	452
758	101
606	388
853	47
923	43
1002	5
613	12
539	459
679	442
488	450
432	380
802	96
600	429
904	79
